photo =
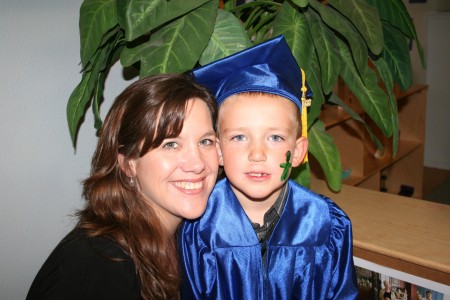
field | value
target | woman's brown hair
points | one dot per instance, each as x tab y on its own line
143	115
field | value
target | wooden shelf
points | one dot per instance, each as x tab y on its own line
373	165
332	115
415	88
421	240
358	152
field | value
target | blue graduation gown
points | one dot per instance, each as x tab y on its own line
308	256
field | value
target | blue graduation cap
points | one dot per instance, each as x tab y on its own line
268	67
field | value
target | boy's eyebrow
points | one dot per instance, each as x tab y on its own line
234	128
280	128
246	128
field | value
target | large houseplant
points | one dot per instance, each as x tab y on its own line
330	39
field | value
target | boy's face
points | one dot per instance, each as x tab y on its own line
255	132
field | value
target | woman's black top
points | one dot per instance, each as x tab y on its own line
83	267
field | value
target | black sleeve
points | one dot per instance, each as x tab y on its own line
82	267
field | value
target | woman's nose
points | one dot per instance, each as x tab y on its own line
193	160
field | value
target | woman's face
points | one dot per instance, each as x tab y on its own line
177	177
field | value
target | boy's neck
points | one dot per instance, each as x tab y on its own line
255	209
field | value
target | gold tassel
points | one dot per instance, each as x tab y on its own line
305	104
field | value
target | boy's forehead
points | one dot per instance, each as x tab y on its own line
257	99
253	106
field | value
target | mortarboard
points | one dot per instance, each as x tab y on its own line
268	67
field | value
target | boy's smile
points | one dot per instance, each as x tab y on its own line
255	132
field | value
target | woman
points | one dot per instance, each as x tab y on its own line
155	164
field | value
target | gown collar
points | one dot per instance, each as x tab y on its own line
225	223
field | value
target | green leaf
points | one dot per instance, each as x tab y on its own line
322	146
260	29
139	17
347	31
326	49
83	93
228	38
113	50
366	20
386	77
302	175
313	78
369	94
97	99
336	100
294	27
252	17
395	13
97	17
177	46
131	55
229	4
78	101
257	17
301	3
250	4
396	54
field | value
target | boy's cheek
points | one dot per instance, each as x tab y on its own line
219	152
221	161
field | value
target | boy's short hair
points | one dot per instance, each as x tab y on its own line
296	119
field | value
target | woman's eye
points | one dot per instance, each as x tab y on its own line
238	138
170	145
276	138
207	142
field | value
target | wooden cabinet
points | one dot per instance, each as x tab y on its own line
406	235
362	164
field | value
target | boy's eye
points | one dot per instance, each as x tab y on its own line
276	138
170	145
207	142
238	138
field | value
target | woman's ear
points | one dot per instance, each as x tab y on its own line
219	151
127	166
301	147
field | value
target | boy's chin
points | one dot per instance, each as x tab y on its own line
259	194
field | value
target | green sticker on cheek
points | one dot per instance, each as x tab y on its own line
286	166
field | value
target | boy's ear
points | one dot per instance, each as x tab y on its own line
301	147
219	151
127	166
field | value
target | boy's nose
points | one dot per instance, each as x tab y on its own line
257	152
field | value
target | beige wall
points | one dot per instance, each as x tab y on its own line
40	172
432	22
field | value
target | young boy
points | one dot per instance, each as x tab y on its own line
263	236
